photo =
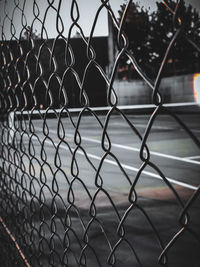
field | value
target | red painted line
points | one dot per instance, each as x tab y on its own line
15	242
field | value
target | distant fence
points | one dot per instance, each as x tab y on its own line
55	198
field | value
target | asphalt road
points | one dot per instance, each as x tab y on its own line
171	150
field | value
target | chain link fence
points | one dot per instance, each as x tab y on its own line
57	197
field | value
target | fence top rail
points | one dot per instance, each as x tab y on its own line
122	107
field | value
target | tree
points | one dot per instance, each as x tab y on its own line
183	55
149	35
136	28
28	32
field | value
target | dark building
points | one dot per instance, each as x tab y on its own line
55	72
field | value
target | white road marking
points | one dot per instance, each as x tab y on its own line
194	130
112	162
193	157
144	126
125	166
134	149
138	150
156	176
154	127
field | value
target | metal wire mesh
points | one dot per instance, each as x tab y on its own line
58	218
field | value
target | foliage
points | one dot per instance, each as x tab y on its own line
30	33
136	28
149	34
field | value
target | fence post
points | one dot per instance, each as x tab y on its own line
110	44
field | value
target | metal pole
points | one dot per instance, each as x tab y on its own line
110	44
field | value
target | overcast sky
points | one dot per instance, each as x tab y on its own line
87	8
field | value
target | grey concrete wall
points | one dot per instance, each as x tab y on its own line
132	92
173	89
177	89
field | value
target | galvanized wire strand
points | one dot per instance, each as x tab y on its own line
51	227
